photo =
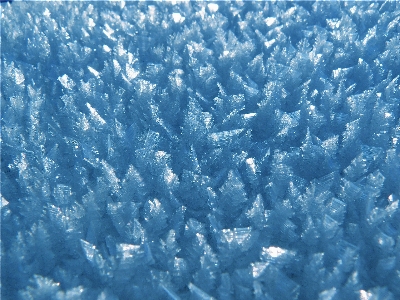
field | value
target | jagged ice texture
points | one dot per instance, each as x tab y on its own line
233	150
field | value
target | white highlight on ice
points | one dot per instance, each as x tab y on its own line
91	23
127	250
155	206
108	31
270	21
250	162
177	18
364	295
212	7
4	202
106	48
268	44
131	73
66	82
46	12
117	67
94	72
275	251
169	176
258	268
19	76
249	116
95	115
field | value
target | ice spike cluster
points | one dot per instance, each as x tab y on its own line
200	150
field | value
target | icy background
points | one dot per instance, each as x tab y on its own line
233	150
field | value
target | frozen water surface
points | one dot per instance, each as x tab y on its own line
190	150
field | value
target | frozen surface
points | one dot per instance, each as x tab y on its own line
227	150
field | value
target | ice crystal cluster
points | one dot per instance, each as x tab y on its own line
199	150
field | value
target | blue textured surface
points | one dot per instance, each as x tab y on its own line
193	150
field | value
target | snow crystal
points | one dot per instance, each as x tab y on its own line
205	150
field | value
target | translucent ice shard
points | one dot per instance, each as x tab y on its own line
337	209
109	173
96	260
41	288
275	282
206	277
133	186
170	293
328	294
235	243
288	121
277	255
155	215
123	216
132	256
197	122
252	170
224	138
179	272
330	227
233	194
257	213
62	194
198	293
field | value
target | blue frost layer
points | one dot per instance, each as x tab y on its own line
200	150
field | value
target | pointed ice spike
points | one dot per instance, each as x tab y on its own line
232	191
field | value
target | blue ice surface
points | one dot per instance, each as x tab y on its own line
198	150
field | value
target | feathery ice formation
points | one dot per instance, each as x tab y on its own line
228	150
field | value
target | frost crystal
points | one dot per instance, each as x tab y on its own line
200	150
